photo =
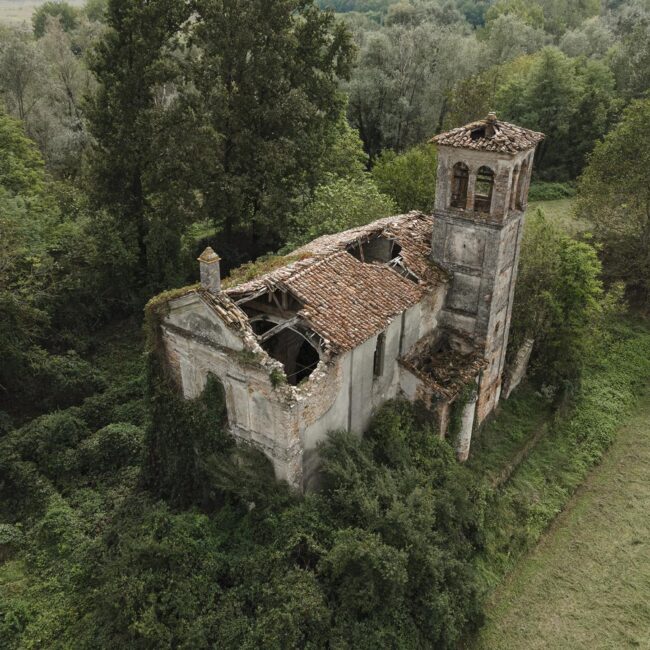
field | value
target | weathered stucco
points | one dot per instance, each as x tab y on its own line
481	251
287	423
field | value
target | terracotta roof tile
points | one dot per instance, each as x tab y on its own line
490	134
347	301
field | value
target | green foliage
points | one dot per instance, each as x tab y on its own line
529	12
558	301
59	274
110	448
339	205
519	513
181	435
409	178
48	440
398	94
278	378
241	140
66	13
571	101
380	556
129	63
21	166
11	539
263	264
60	380
96	10
614	195
541	191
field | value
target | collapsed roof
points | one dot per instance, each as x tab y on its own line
490	134
347	287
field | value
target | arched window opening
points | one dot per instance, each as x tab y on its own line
520	185
513	188
483	192
459	186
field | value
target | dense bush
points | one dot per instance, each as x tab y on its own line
379	557
541	191
615	194
49	441
519	513
559	302
182	435
110	448
410	178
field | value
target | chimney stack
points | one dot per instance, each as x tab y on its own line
210	271
490	120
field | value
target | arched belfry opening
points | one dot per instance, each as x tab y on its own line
460	182
483	191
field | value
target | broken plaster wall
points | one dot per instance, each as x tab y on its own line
198	343
287	423
360	392
517	370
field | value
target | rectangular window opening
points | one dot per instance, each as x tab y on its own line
378	361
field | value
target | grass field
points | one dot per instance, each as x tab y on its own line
587	584
560	213
16	12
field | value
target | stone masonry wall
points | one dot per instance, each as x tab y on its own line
481	251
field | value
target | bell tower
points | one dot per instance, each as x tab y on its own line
482	185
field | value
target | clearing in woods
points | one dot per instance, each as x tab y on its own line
587	584
19	12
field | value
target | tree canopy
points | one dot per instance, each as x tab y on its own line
614	195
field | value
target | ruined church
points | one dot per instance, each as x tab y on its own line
414	305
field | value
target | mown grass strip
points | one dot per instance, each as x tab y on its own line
587	585
518	514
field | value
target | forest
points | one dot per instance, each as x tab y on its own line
133	134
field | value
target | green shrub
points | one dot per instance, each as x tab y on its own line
49	441
548	191
181	436
338	205
23	489
11	539
59	381
121	403
559	302
110	448
408	178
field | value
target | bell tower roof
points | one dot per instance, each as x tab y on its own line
490	134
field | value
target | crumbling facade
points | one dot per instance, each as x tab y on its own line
413	305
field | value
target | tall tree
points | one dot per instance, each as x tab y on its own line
571	101
132	65
224	116
263	77
614	194
399	90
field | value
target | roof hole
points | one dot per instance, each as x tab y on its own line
377	249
